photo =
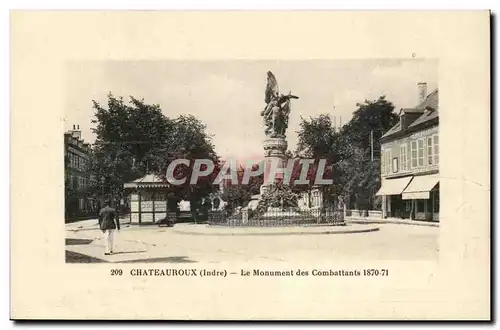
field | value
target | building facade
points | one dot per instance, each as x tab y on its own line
77	177
410	162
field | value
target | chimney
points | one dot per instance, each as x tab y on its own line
403	120
422	92
76	133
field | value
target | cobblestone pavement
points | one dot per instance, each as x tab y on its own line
153	244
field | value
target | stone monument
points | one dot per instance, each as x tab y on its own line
270	204
275	116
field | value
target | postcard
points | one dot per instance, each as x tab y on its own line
240	165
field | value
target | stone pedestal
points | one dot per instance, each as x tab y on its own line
274	152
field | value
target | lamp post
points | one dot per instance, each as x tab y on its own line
103	179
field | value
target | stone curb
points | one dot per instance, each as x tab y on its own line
325	232
384	221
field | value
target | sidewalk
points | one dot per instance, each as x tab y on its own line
370	220
207	230
87	240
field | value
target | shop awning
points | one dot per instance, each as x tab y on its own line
393	186
420	187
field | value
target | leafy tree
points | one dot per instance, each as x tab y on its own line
137	138
319	140
361	174
317	137
377	116
348	151
189	140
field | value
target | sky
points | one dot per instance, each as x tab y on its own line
229	95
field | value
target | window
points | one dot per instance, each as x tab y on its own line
388	161
430	159
413	154
146	196
420	152
159	196
420	205
402	157
436	149
395	168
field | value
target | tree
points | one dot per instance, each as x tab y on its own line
376	116
137	138
319	140
317	137
189	140
347	151
361	174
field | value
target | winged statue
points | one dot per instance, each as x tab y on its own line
277	108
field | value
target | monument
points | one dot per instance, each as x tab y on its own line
275	199
277	204
275	116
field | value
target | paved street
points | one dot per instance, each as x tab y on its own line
85	243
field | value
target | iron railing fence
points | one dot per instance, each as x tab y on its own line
275	217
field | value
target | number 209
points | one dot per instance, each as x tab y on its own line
116	272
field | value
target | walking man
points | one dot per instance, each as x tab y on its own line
108	222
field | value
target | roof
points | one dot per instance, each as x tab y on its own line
147	181
394	129
432	100
429	109
149	178
428	115
412	110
